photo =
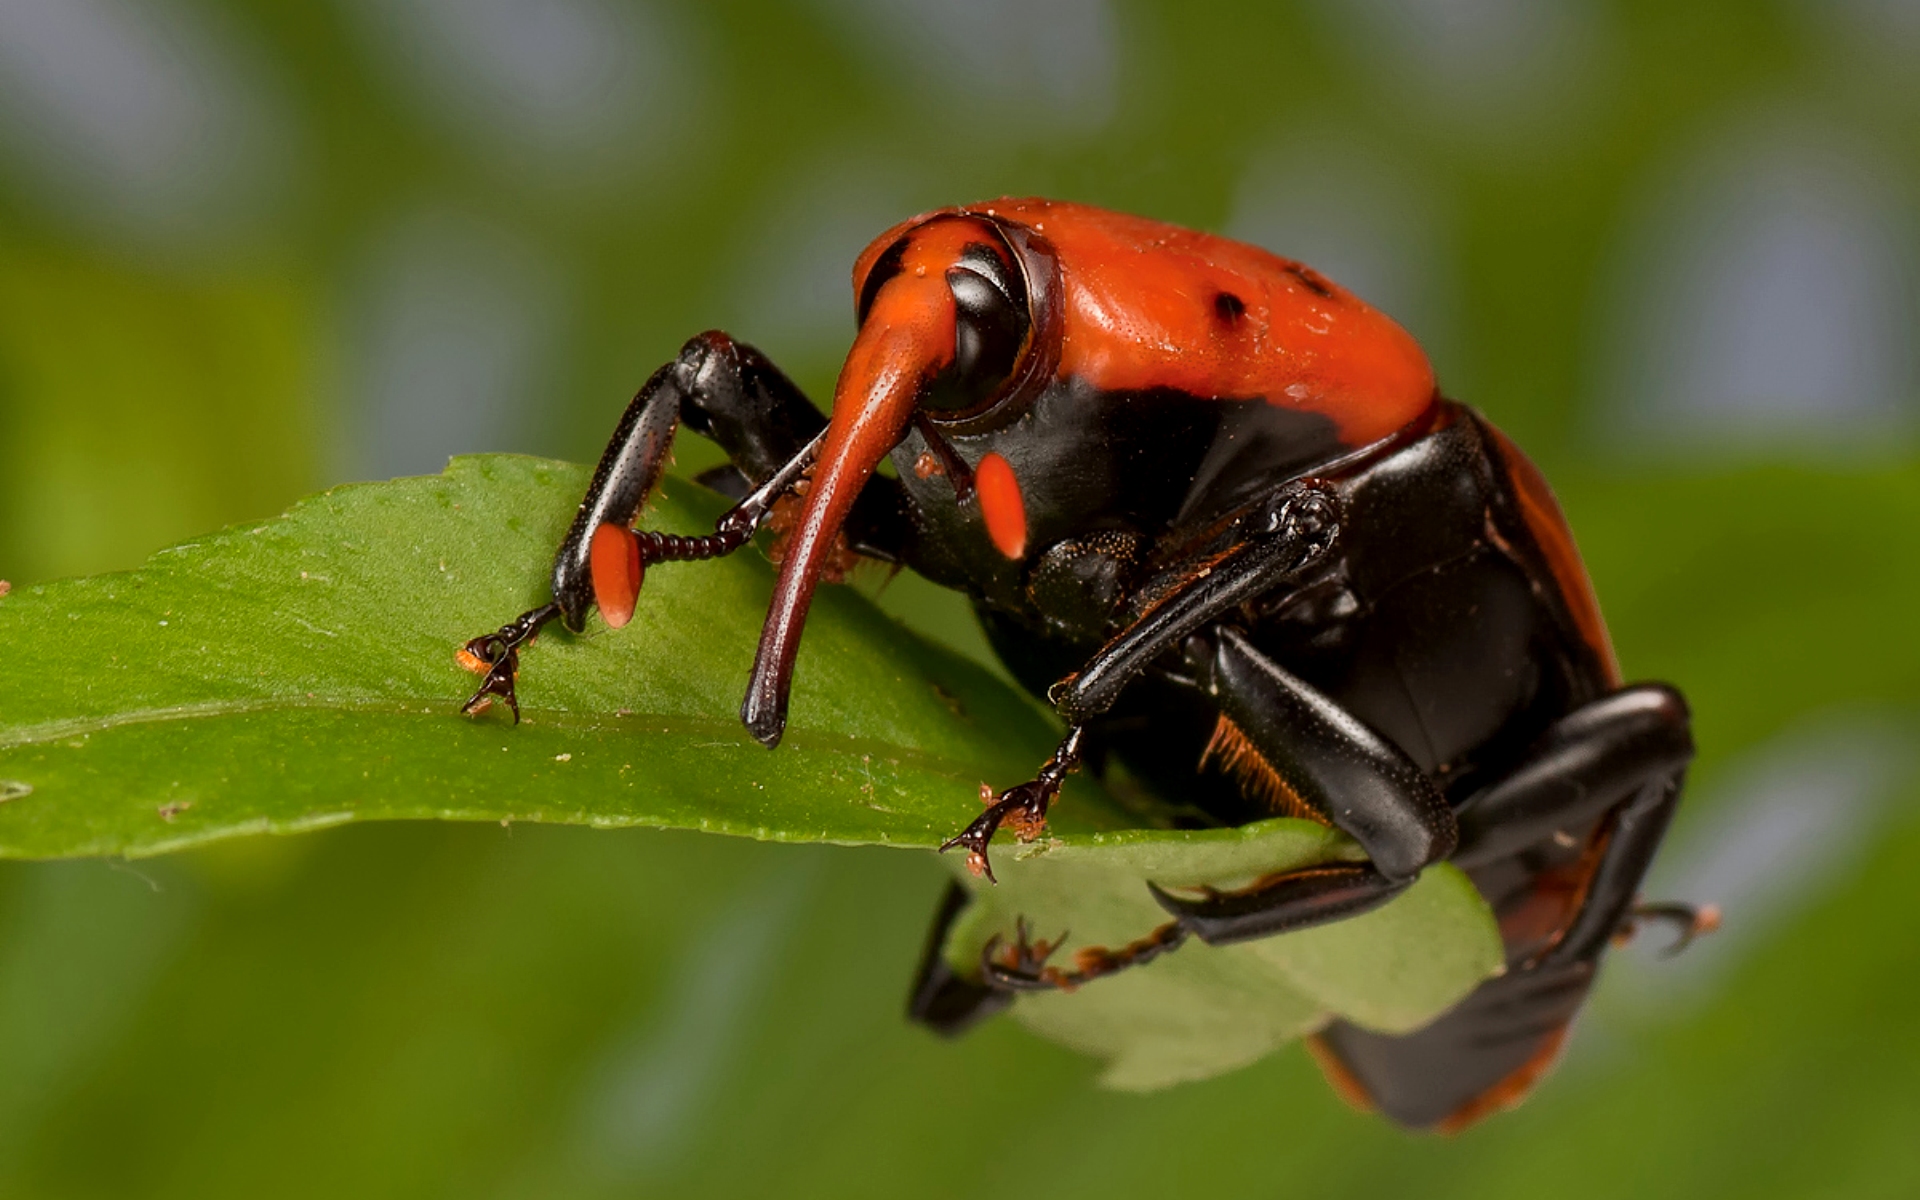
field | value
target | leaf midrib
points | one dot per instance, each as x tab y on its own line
47	732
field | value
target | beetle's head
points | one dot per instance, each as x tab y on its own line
953	315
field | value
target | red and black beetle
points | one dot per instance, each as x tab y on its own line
1213	508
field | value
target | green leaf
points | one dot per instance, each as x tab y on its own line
1204	1009
301	673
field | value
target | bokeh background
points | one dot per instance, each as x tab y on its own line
251	249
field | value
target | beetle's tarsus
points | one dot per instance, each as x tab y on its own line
982	828
498	683
1023	807
1691	921
498	655
1023	967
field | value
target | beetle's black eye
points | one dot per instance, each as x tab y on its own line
990	330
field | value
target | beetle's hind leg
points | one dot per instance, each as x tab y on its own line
1328	763
719	388
1613	766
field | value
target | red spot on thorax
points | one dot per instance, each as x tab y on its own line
1001	505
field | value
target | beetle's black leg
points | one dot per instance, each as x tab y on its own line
1333	765
1586	763
1624	754
1022	967
1301	525
722	389
941	999
1282	903
1633	836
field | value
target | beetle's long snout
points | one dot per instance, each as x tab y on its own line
906	338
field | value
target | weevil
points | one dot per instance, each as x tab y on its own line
1215	510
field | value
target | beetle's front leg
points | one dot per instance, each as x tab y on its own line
1299	528
725	390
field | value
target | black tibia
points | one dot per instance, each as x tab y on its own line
1022	967
1365	785
1295	900
942	1000
1621	758
1300	527
1635	834
722	389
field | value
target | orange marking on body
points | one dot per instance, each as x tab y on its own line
1234	752
1001	505
1146	305
1541	511
614	560
1340	1078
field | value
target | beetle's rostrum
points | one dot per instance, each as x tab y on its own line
1214	508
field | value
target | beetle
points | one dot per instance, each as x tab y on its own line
1214	508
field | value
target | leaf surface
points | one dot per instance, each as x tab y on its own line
1204	1009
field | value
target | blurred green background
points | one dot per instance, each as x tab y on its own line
250	249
